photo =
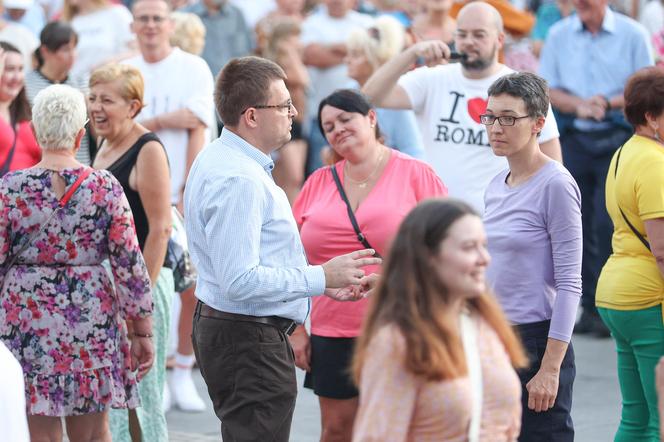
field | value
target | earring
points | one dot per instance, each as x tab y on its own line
656	136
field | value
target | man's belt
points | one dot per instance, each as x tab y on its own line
287	326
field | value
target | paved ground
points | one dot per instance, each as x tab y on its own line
596	409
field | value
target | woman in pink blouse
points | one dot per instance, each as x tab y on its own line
382	185
410	361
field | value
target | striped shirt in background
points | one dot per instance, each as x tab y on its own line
242	235
35	81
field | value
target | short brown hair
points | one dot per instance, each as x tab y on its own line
244	82
643	95
132	85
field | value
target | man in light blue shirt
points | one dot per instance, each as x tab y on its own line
587	59
254	282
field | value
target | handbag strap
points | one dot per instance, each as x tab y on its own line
469	331
631	226
10	155
360	236
61	204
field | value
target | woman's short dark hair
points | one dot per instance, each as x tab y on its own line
531	88
644	94
54	36
244	82
19	109
348	100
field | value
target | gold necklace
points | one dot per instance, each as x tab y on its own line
362	184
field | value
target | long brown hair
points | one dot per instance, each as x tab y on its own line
19	109
411	298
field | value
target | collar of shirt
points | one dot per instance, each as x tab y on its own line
228	138
608	24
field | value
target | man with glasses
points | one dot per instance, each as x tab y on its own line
449	99
254	282
180	110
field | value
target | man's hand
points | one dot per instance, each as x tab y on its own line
542	390
179	119
592	109
430	52
350	293
301	344
346	270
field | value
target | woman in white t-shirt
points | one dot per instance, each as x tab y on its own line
103	30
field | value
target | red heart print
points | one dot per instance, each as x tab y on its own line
476	107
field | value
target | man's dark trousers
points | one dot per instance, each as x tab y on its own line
249	370
587	156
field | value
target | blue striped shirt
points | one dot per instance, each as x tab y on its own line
242	236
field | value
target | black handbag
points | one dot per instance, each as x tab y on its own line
177	254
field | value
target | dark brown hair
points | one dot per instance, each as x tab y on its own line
54	36
244	82
19	109
411	298
643	95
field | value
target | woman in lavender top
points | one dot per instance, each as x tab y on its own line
533	223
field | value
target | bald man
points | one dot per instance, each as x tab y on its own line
449	98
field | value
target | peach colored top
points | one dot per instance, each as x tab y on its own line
396	405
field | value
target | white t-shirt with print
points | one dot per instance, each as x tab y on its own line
102	35
447	106
321	28
181	80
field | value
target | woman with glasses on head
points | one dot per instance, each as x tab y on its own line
533	223
369	49
380	186
61	313
136	157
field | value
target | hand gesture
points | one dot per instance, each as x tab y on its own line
301	344
142	355
346	270
591	109
542	390
350	293
430	52
369	284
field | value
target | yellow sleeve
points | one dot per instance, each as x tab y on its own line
649	187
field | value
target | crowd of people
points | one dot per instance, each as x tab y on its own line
408	200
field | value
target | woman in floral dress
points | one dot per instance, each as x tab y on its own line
60	314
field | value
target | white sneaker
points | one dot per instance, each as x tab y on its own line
184	391
166	400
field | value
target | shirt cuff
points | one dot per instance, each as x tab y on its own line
316	280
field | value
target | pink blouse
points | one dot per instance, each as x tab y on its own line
396	405
326	230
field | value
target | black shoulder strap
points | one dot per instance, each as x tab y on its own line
631	226
360	236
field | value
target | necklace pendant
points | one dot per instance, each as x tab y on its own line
362	185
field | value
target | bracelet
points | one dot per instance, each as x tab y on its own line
142	335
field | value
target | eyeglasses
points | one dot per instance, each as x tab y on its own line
288	105
504	120
145	19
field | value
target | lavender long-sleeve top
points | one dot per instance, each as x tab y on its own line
535	242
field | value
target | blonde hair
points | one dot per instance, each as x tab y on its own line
276	32
382	41
70	11
188	33
132	85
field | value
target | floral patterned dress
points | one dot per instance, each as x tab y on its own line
59	313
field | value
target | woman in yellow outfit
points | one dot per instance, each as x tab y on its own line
631	286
